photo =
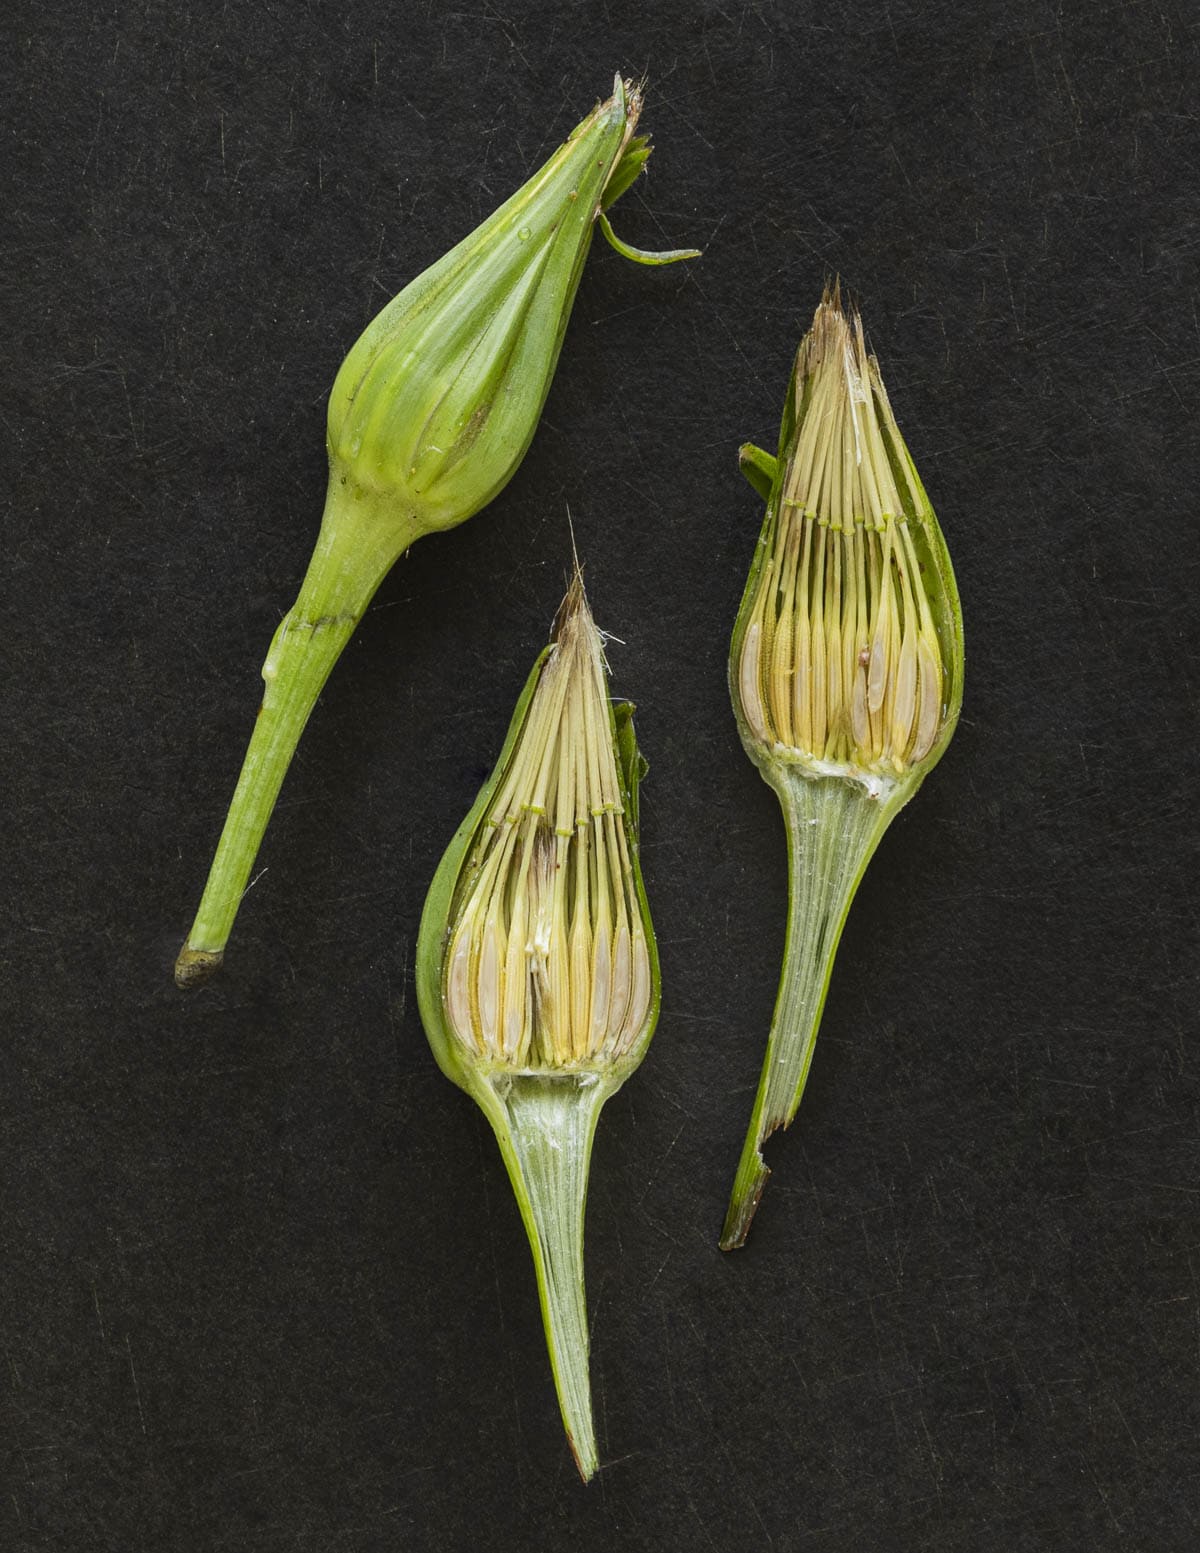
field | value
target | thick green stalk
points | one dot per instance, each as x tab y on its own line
833	827
353	555
549	1123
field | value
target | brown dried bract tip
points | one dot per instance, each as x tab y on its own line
840	666
548	965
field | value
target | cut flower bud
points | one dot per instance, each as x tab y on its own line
846	674
537	972
429	417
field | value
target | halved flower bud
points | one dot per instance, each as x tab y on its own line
846	673
537	972
429	417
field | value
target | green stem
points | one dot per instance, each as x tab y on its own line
547	1146
833	827
356	548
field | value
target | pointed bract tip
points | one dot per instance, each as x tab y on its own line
625	104
574	606
626	99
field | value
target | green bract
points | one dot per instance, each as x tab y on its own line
846	672
537	972
429	417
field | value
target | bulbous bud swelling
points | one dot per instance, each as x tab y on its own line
435	405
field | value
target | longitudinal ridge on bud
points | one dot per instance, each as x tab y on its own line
537	973
845	673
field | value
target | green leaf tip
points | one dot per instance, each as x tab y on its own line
845	672
537	970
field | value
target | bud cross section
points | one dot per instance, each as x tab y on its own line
548	965
840	666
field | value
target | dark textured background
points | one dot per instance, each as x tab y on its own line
264	1287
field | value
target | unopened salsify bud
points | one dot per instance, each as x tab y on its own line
430	415
537	973
846	674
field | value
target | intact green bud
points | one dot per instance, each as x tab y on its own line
429	417
436	404
537	973
846	674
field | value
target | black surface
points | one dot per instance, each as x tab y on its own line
264	1286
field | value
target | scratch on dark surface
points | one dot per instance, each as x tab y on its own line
95	141
518	1444
684	120
129	410
375	284
666	1356
1020	334
662	1161
700	1521
99	1317
1133	1440
137	1390
396	1015
935	1460
748	1498
1100	1489
651	1285
895	155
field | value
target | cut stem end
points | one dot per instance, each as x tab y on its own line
748	1187
194	966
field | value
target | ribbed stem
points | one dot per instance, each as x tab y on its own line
551	1123
833	827
354	553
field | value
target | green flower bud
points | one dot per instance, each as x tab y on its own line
846	673
435	406
537	972
429	417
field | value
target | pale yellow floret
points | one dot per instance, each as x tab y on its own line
548	964
840	661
